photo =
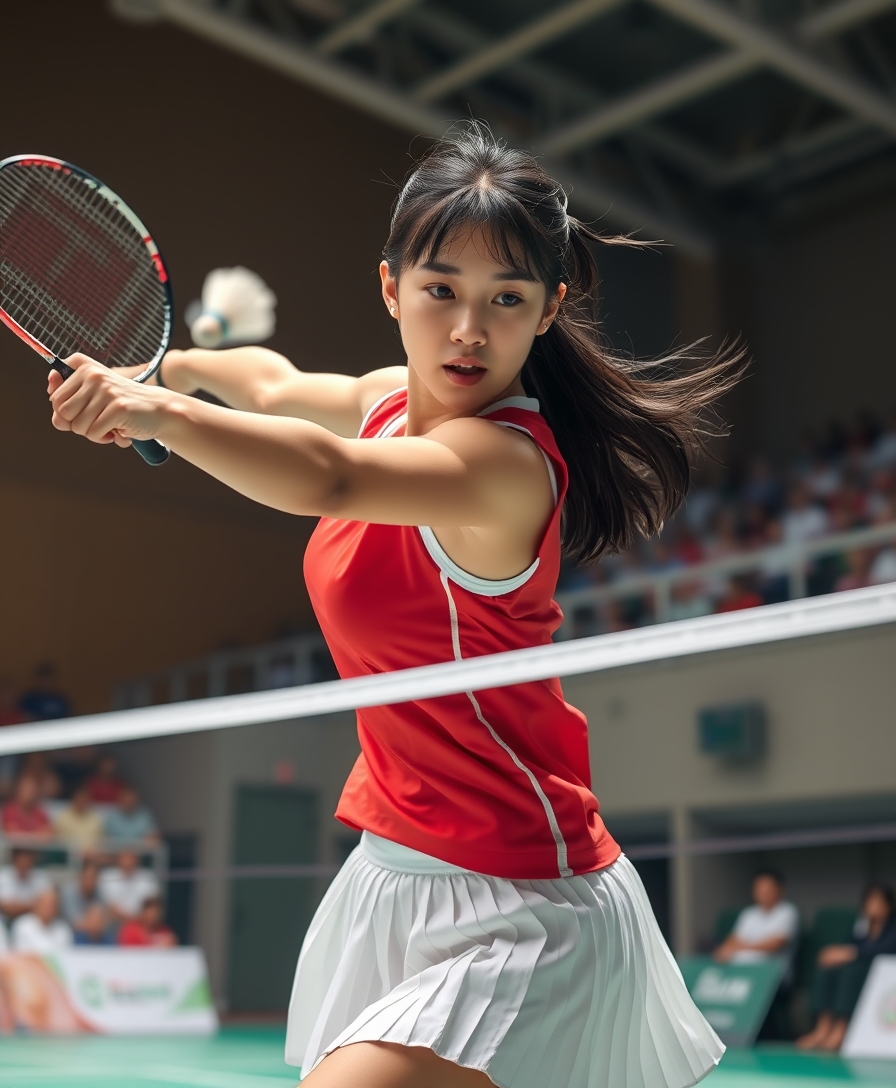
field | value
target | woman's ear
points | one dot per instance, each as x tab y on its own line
390	289
550	311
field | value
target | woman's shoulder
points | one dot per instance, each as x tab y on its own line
379	385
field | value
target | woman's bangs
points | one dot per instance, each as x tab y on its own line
511	238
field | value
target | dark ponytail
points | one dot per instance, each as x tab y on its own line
628	430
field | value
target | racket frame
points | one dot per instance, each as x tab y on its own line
152	451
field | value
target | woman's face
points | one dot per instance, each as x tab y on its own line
876	908
467	323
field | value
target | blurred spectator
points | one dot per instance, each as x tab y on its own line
21	883
9	710
4	948
130	822
768	928
883	569
24	814
43	700
148	929
37	766
689	600
41	931
774	567
79	824
82	906
858	573
802	519
123	889
843	968
94	927
883	452
762	488
104	784
739	594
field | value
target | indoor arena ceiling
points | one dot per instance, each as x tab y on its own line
697	121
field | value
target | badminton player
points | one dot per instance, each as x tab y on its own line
487	928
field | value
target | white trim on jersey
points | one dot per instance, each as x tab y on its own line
374	407
562	854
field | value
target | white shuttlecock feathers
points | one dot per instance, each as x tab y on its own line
237	307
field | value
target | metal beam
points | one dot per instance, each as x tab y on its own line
547	79
755	50
358	28
592	196
532	36
660	96
789	60
838	17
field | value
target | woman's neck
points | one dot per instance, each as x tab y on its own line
425	412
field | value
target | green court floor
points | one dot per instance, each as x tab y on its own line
253	1058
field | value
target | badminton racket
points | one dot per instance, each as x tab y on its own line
79	272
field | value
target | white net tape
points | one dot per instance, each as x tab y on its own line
753	627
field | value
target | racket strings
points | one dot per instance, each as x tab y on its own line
96	286
75	272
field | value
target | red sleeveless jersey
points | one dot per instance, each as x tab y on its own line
495	781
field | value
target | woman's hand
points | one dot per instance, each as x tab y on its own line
835	955
103	406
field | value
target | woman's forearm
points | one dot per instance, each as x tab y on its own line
288	464
240	377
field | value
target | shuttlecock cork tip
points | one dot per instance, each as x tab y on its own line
207	331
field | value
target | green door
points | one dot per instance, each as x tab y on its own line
273	825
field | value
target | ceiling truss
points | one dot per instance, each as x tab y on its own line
649	156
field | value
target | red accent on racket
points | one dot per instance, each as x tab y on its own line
79	272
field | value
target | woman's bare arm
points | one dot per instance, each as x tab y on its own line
256	379
466	472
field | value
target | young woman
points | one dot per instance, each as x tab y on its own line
487	929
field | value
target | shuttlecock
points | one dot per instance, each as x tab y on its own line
237	307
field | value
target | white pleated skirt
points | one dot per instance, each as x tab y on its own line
562	983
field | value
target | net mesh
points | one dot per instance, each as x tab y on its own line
75	273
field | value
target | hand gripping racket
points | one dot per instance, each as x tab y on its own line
80	273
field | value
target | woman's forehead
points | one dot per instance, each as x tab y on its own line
479	248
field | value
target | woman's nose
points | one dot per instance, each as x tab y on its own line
469	329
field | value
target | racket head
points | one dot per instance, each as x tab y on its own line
79	272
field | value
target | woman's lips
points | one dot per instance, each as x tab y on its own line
464	372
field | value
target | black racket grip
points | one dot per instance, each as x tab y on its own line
151	450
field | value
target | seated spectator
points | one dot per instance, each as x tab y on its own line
843	968
9	710
24	815
802	518
82	907
130	822
43	701
37	766
689	600
858	573
739	594
883	452
21	883
148	929
104	784
41	931
883	569
79	824
768	928
94	927
123	889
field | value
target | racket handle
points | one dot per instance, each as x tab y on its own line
151	450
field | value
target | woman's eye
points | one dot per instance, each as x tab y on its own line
439	290
507	299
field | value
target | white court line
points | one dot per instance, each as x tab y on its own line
708	634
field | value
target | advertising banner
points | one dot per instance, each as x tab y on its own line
872	1030
110	991
734	997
